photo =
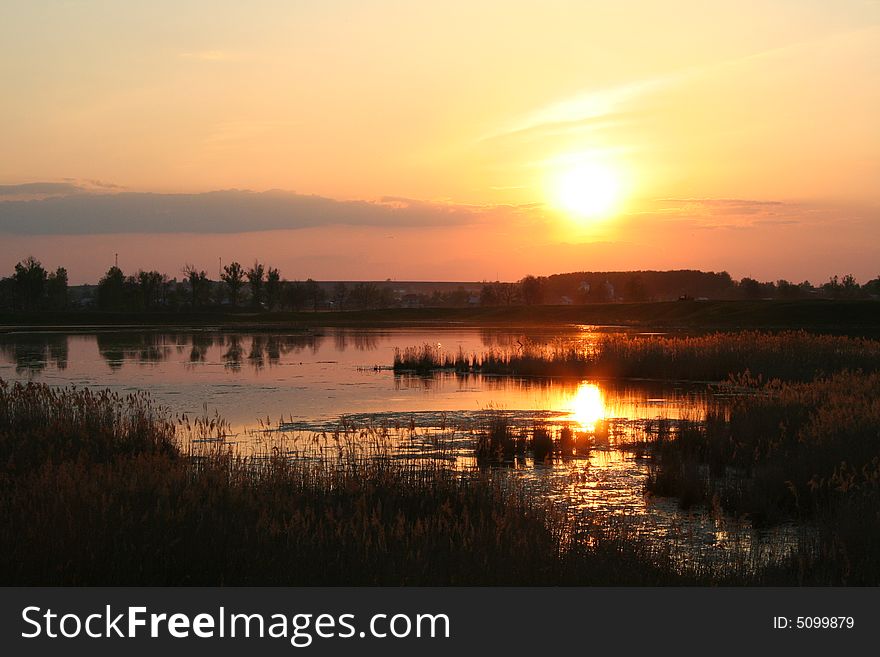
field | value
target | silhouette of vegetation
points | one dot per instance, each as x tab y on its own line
532	290
233	277
314	293
789	355
807	452
32	289
273	288
106	477
199	286
57	289
256	282
101	489
111	289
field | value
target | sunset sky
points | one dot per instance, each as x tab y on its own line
442	140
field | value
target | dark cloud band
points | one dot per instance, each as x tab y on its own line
231	211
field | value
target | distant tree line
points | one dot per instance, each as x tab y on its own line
31	287
256	287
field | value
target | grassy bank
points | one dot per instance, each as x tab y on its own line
854	317
98	489
790	355
95	489
803	452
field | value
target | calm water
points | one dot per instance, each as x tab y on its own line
313	378
306	382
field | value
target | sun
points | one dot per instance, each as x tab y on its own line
589	190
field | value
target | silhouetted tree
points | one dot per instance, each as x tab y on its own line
149	286
273	288
508	293
56	288
845	288
751	289
531	290
340	295
851	289
364	295
488	295
314	293
294	295
111	289
7	294
456	298
788	290
199	285
256	280
635	289
233	276
30	282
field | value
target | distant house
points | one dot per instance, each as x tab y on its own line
411	301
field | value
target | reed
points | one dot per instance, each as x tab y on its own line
788	355
103	489
789	452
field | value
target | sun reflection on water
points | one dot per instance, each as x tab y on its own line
587	406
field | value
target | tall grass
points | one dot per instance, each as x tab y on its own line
102	489
99	489
804	452
789	355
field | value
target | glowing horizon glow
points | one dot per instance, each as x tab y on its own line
589	191
587	406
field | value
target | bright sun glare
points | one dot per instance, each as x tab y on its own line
587	406
589	191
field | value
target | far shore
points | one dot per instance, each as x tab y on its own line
858	317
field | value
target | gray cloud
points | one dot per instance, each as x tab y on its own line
40	189
228	211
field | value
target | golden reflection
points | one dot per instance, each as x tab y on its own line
587	406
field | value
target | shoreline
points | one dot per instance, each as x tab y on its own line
861	317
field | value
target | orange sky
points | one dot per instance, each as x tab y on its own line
737	135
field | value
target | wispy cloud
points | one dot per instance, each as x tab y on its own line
611	107
589	110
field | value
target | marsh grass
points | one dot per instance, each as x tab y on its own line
788	355
788	452
101	489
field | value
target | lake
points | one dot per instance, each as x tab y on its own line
309	383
